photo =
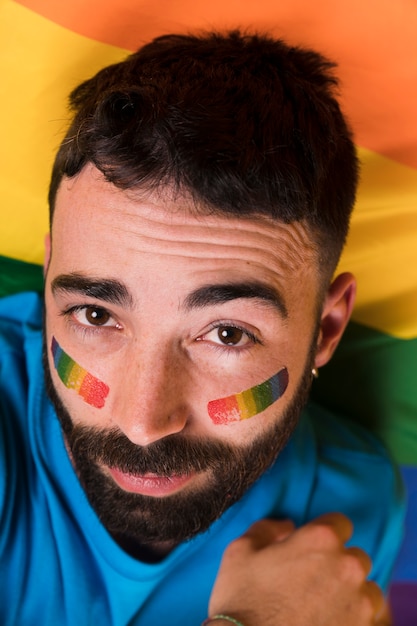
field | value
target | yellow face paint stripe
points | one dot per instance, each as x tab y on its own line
250	402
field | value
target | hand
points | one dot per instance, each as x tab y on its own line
275	575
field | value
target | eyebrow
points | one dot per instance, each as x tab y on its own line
219	294
108	290
115	292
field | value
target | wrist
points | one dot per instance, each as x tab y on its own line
221	620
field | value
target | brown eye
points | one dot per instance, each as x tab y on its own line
229	335
96	316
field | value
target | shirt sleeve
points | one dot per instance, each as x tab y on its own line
18	314
355	475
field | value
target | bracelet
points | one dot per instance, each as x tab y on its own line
226	618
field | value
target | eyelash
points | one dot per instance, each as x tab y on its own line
224	324
87	329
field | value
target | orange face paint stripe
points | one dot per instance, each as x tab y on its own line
91	389
249	402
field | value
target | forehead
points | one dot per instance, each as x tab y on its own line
97	226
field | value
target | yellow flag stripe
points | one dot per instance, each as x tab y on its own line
382	246
379	88
39	64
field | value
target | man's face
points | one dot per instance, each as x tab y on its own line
159	312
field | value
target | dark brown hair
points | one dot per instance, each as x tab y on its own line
244	123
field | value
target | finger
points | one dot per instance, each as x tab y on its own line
340	527
383	617
378	602
266	531
360	557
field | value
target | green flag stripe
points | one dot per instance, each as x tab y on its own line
372	378
17	276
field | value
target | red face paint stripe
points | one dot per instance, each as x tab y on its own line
249	402
91	389
221	410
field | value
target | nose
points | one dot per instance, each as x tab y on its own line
151	400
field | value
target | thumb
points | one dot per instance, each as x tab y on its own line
267	531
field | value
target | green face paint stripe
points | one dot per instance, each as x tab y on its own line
249	402
64	366
263	396
91	389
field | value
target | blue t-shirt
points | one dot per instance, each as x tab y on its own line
58	564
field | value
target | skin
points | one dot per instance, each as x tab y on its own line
176	361
160	352
277	575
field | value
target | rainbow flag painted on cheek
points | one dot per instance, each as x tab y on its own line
250	402
91	389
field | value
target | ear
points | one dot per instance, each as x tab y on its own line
47	256
337	310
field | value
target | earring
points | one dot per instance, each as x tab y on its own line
315	372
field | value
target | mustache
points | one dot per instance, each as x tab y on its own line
172	455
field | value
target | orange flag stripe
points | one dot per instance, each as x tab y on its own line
374	42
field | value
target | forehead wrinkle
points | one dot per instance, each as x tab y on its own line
175	217
212	242
172	210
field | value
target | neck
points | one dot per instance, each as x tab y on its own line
147	553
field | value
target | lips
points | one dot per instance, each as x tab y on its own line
149	484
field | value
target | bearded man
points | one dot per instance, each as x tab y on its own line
199	205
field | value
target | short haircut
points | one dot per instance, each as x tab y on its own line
244	123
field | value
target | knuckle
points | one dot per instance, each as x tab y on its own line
356	565
376	596
329	531
237	547
362	560
334	518
323	536
368	608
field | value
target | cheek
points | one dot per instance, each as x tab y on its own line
248	403
92	390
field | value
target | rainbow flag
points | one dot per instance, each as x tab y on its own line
48	47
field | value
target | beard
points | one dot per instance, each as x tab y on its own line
136	520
